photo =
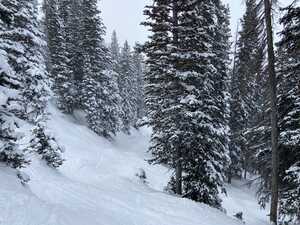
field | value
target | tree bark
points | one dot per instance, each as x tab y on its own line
274	113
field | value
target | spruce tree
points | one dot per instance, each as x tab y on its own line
128	89
10	87
115	48
99	92
59	69
22	77
289	114
31	63
186	106
138	67
266	134
205	40
45	144
245	87
158	67
76	50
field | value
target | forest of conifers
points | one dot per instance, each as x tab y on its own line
218	109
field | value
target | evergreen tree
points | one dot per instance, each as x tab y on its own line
186	95
115	58
138	67
76	50
45	144
22	77
158	67
221	61
245	86
289	114
115	48
31	64
128	89
267	148
10	151
59	69
267	17
99	93
81	64
10	87
206	102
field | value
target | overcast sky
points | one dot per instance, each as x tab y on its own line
125	16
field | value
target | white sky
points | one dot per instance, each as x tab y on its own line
125	16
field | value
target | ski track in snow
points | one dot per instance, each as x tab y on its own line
97	186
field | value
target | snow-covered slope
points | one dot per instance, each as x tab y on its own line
241	198
97	185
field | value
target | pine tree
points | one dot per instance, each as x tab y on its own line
46	145
221	61
206	102
274	110
289	114
32	65
22	77
269	146
115	58
158	67
115	48
236	116
10	152
76	50
10	86
138	67
186	109
128	89
245	103
81	64
99	93
59	69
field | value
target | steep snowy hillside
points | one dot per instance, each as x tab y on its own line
98	185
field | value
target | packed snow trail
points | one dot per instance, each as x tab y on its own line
97	185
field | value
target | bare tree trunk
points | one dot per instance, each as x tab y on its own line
274	116
179	153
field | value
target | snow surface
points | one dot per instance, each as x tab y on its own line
241	198
98	185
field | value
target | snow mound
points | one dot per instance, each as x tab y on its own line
99	184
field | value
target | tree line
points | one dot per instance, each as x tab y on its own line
106	82
212	123
62	54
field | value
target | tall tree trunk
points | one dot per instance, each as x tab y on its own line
274	116
179	154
